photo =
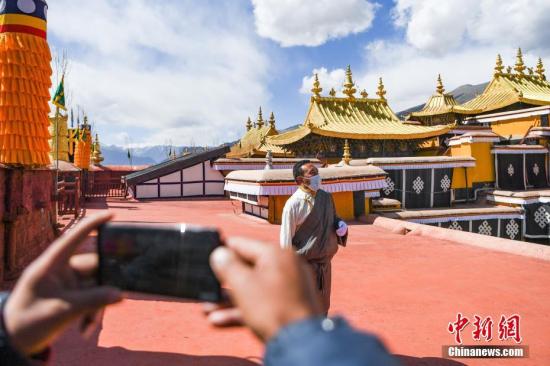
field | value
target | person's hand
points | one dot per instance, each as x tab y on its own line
342	228
270	287
55	290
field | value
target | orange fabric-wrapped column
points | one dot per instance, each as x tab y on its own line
25	73
83	150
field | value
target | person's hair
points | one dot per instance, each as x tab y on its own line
297	169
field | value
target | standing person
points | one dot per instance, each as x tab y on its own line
310	226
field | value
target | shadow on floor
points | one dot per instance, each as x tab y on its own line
72	349
123	357
427	361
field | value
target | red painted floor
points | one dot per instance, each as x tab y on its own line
405	289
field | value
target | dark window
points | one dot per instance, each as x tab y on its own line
544	120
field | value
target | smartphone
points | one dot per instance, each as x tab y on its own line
168	260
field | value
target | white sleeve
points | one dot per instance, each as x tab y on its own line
288	226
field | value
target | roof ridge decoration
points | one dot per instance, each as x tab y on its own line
260	122
349	85
316	87
499	67
332	92
440	89
249	124
272	120
381	90
364	94
520	66
540	70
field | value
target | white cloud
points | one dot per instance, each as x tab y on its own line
333	79
311	22
168	68
441	26
457	38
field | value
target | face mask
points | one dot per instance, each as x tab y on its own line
314	183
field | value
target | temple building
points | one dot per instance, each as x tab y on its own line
369	124
254	143
439	109
511	88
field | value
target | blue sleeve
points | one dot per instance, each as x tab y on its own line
325	342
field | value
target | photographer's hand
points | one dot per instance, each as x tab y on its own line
271	287
55	290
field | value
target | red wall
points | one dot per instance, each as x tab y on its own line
28	212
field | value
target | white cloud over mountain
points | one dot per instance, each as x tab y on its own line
311	22
162	67
459	39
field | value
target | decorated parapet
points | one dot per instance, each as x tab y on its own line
25	79
83	149
263	193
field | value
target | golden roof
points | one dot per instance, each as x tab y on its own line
439	103
510	87
506	89
254	140
364	119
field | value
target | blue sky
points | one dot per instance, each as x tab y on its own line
191	72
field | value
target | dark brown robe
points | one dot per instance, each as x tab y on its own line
317	242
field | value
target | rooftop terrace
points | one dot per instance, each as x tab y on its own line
406	291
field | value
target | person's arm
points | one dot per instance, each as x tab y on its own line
273	293
327	342
53	291
288	226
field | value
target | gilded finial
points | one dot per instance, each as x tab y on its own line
364	94
530	71
272	120
349	86
249	124
440	89
316	87
381	90
332	92
260	122
540	70
347	153
499	67
97	157
520	66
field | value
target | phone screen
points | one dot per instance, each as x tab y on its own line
168	260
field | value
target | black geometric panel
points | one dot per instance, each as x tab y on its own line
535	165
457	225
510	171
485	227
395	185
537	220
442	187
510	229
418	186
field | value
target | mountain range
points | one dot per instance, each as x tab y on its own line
149	155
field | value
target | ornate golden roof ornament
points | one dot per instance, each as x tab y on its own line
364	94
260	122
440	89
520	66
349	86
347	153
499	67
316	87
530	71
509	70
332	92
97	157
381	90
272	120
249	124
540	70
